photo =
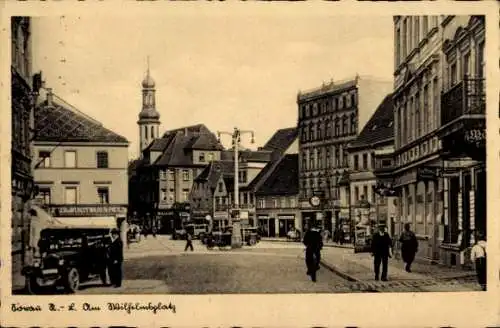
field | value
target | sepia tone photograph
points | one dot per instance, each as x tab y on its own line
149	157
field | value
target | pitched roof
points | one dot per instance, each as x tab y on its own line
159	144
60	122
177	146
284	180
191	129
212	173
331	87
281	140
379	128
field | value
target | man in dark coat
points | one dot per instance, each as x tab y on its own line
314	243
381	249
115	259
409	246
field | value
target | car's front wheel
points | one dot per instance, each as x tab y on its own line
32	286
72	281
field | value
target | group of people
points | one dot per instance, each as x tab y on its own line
382	250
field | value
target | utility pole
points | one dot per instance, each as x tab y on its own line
236	240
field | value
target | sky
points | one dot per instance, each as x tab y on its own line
224	71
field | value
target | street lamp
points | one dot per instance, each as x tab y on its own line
236	241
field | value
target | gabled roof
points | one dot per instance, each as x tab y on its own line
379	128
213	172
59	122
284	180
191	129
177	146
281	140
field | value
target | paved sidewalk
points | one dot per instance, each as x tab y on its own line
425	277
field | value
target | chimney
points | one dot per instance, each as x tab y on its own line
50	97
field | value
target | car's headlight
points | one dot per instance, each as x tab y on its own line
36	263
61	262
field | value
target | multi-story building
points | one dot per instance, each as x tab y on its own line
80	166
165	174
211	193
439	131
23	95
330	117
277	199
376	138
283	142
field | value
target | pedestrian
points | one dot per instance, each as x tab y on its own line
381	249
153	231
314	243
409	246
189	242
478	257
115	259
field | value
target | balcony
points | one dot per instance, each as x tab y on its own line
384	165
463	128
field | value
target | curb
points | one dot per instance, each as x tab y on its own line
294	242
347	276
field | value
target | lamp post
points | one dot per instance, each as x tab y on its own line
236	241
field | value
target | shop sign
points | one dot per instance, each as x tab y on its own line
475	136
88	210
427	173
221	215
244	215
263	217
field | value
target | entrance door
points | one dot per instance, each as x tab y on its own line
272	227
282	227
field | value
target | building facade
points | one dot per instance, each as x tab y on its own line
24	89
80	167
165	174
376	138
439	131
329	118
277	199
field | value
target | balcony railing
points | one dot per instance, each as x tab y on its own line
467	97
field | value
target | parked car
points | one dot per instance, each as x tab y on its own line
68	253
250	236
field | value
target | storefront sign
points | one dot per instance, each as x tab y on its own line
427	173
88	210
476	136
263	217
286	217
221	215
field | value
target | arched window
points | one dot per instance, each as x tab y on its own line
314	135
320	130
145	133
337	127
152	132
328	132
311	132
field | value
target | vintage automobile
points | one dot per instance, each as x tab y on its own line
250	236
68	252
222	238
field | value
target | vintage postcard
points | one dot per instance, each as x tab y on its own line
249	164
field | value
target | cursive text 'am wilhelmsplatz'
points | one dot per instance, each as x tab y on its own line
129	307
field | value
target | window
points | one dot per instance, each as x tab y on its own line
44	195
171	195
327	158
163	174
275	203
102	159
345	126
283	202
185	195
365	192
152	132
418	123
356	162
185	175
292	202
466	64
480	60
453	74
242	177
337	157
261	203
164	194
320	158
44	158
345	158
103	195
201	157
210	157
70	195
334	104
337	127
304	162
312	165
408	207
356	193
70	158
427	111
340	100
435	100
353	124
220	187
365	161
145	132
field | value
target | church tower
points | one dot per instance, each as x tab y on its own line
149	118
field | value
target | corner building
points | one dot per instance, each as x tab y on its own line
439	159
330	117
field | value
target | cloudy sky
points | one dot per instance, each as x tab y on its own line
223	71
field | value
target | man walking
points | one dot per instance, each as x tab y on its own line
314	243
478	257
381	249
409	246
115	258
189	242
